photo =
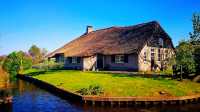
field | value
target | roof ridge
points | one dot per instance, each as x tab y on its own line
144	23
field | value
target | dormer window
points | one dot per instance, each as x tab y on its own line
160	42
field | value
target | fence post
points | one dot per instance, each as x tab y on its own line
181	72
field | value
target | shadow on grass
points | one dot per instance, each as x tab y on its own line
131	74
43	72
114	74
36	73
153	76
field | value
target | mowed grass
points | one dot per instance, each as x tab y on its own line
117	84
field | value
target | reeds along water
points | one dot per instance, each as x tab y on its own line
4	79
5	86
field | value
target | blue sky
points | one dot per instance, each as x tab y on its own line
52	23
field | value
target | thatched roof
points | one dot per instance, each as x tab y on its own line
113	40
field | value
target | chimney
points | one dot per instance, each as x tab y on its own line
89	29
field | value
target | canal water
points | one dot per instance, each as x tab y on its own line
29	98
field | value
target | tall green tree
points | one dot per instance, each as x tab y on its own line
195	40
12	64
195	35
36	54
185	58
25	60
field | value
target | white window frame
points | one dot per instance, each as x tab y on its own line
159	54
119	59
145	56
152	53
74	60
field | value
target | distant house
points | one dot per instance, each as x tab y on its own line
141	47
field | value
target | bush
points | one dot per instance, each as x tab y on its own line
49	66
56	66
92	90
197	58
185	58
167	72
16	62
83	91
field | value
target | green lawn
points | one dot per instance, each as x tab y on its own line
116	84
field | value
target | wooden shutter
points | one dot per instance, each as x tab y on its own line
70	59
126	58
113	58
78	59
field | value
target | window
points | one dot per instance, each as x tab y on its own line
166	54
152	54
159	55
119	58
60	58
145	56
74	59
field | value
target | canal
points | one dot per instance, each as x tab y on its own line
29	98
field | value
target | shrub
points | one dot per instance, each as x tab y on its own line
49	66
83	91
95	89
92	90
197	58
56	66
16	62
168	71
184	58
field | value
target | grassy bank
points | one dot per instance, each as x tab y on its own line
116	84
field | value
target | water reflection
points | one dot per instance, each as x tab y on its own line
29	98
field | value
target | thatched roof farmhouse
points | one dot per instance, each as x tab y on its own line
138	47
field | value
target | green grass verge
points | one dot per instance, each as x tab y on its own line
116	84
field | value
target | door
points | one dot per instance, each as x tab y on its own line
152	64
100	62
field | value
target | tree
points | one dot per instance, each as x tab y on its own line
184	57
195	35
44	53
16	62
36	54
11	64
195	40
25	60
197	58
2	59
